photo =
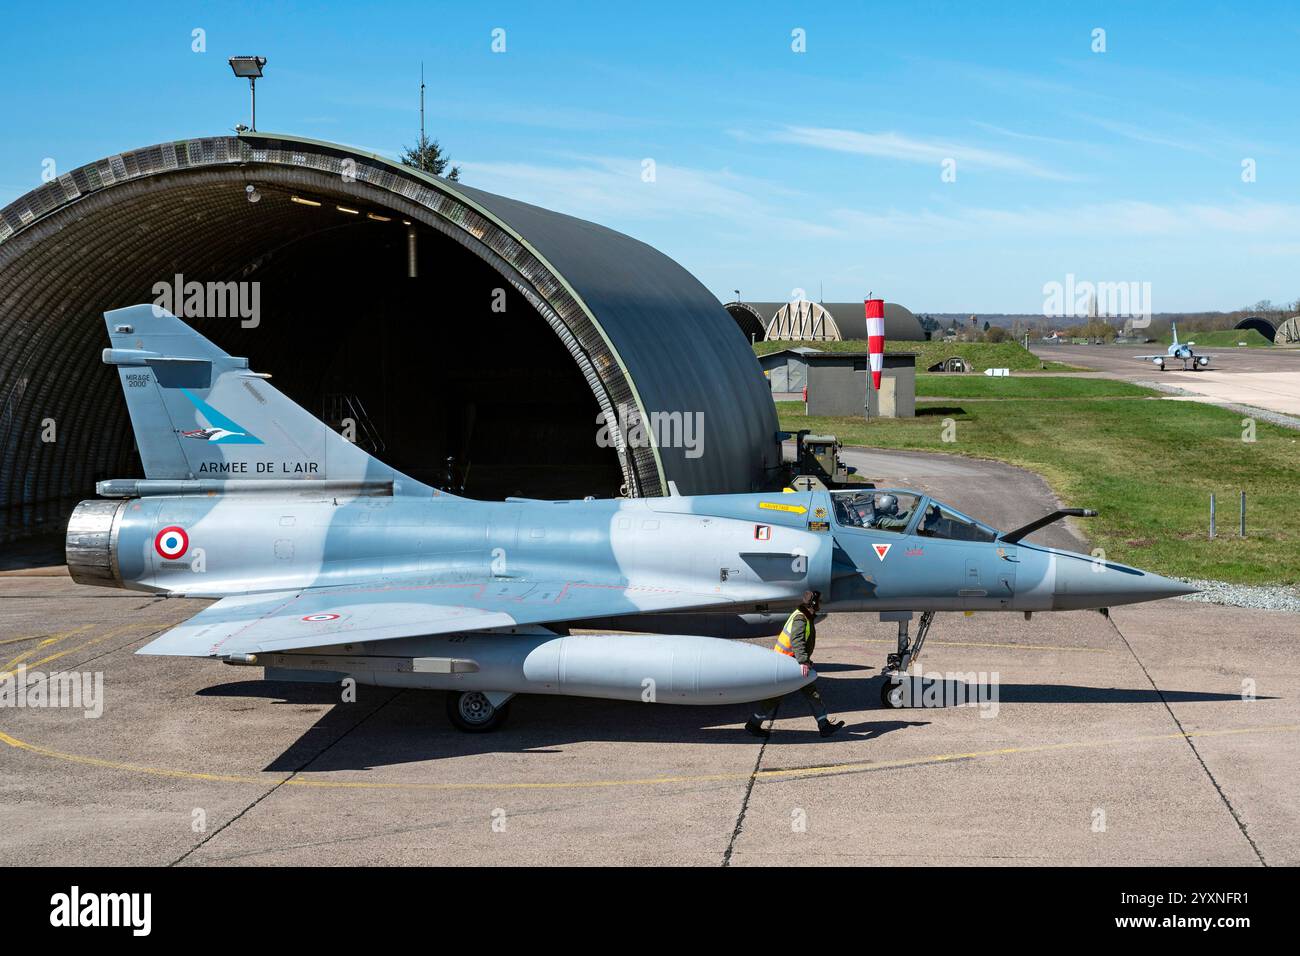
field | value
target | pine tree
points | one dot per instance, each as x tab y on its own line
427	155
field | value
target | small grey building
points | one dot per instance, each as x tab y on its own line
839	384
787	370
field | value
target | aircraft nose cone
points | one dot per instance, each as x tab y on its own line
1084	582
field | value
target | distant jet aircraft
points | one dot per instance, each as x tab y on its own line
327	563
1181	351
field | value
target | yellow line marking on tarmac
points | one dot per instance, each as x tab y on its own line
53	639
64	653
779	774
19	640
1018	647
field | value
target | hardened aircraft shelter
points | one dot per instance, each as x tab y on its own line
468	339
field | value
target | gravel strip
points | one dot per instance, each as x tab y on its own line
1259	597
1250	411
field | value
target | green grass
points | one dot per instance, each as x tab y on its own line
1222	339
979	355
848	345
1148	466
954	385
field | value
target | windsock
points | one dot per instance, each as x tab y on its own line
876	338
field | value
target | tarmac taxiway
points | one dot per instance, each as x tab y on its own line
1165	734
1255	377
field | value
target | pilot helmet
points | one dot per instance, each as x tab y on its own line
887	505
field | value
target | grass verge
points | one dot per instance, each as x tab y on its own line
950	385
1222	339
979	355
1148	467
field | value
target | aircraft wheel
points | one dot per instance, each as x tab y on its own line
472	712
891	695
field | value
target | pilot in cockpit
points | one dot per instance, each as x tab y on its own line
888	517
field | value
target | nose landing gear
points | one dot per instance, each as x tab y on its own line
892	693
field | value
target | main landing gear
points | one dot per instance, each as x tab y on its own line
478	711
893	694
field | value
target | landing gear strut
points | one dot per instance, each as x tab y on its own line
898	663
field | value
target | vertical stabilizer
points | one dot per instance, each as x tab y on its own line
199	413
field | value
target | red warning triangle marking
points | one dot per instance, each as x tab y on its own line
882	550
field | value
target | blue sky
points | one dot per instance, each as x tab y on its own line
774	170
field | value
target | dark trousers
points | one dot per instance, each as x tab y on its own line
767	709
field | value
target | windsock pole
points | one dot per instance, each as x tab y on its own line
876	338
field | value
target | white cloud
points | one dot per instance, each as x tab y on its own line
728	207
892	145
611	189
1142	134
1112	221
1073	144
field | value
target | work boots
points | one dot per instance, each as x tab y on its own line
826	726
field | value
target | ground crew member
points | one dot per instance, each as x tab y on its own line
798	639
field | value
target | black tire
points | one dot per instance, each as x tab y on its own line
886	690
471	712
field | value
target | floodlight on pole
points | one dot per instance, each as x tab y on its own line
251	67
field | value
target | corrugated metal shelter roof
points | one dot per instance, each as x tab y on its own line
643	332
848	319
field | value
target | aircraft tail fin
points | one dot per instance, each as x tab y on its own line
1174	326
199	413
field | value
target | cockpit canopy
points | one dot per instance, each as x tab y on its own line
906	512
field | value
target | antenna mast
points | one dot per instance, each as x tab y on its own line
421	104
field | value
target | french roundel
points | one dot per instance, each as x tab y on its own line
320	618
171	542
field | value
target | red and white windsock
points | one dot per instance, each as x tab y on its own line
876	338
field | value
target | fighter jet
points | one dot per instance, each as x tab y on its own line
1178	350
327	563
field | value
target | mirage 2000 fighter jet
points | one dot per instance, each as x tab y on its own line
327	563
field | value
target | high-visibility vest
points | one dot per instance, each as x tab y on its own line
782	645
